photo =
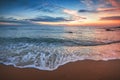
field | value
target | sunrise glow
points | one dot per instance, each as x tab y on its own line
52	12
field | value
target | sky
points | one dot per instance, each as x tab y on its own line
60	12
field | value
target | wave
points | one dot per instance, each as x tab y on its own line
50	53
62	42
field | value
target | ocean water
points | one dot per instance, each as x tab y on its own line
48	47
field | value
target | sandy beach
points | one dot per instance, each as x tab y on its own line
80	70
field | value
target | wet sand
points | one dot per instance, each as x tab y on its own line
80	70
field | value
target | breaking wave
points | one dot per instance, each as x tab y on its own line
50	53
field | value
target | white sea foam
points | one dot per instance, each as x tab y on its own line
49	57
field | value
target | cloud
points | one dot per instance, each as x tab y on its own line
44	6
48	19
11	20
73	14
99	10
115	3
108	9
83	10
101	5
88	3
111	18
38	6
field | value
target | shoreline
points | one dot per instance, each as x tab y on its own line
79	70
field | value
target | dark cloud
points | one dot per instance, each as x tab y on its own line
14	21
48	19
83	10
100	10
10	19
111	18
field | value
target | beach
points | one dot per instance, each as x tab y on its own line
80	70
59	40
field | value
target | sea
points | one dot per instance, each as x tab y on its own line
48	47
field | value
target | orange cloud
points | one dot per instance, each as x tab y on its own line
111	18
108	9
115	3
